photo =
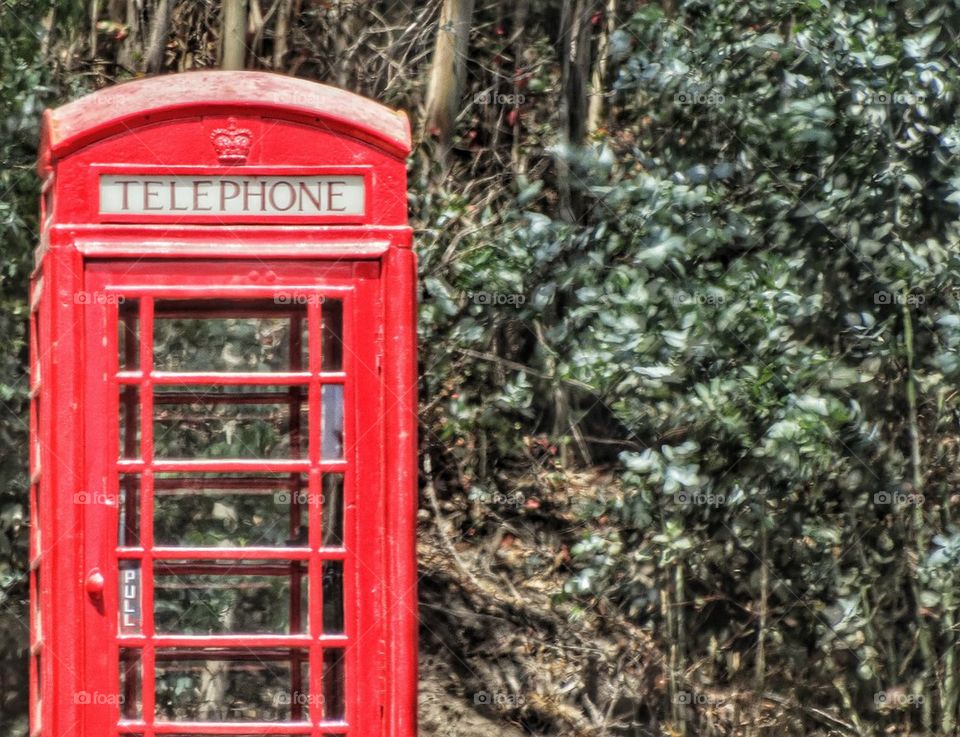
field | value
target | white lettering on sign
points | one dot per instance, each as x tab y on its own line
122	194
130	598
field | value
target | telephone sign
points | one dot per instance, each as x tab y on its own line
251	196
223	414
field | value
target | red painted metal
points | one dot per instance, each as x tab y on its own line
238	127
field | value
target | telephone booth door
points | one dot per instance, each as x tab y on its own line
232	452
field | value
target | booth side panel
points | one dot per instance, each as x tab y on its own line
369	536
401	427
64	270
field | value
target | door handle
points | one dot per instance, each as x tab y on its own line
95	583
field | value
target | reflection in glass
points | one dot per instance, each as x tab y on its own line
131	698
332	422
230	684
221	597
213	335
332	331
129	534
332	597
227	422
35	599
333	687
129	422
38	680
215	509
332	509
128	335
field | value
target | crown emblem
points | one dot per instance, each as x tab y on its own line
232	144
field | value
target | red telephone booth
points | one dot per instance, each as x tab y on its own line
223	414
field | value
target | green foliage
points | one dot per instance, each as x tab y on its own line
23	91
763	294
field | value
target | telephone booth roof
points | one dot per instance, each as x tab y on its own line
137	167
122	108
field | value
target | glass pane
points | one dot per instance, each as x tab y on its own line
213	335
129	510
128	335
224	684
215	597
129	422
35	447
333	689
129	616
131	703
36	348
35	600
332	422
227	509
332	332
36	703
332	597
333	509
228	422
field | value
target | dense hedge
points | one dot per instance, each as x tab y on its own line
763	297
22	94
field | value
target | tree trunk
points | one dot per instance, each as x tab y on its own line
94	15
159	28
517	157
234	34
280	32
447	71
598	83
349	31
132	48
575	55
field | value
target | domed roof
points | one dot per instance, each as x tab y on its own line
147	100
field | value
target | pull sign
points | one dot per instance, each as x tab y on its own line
129	600
245	196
